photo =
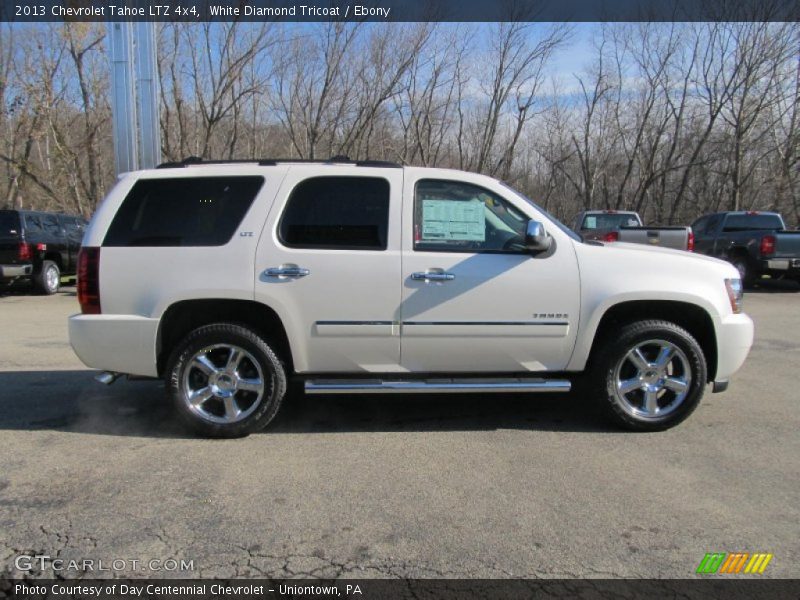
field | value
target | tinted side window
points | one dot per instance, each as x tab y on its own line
699	226
202	211
459	217
51	225
33	224
754	221
337	212
713	223
74	227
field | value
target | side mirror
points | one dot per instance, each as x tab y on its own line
536	238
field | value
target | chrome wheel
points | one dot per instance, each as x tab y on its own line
652	379
223	384
52	278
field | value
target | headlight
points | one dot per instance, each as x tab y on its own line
735	293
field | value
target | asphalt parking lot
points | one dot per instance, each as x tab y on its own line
436	486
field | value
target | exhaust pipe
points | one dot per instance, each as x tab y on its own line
107	377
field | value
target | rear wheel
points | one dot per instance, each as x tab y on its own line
651	376
48	279
745	270
225	381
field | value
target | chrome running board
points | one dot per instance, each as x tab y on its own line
434	386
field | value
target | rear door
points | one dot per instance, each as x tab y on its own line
10	234
711	244
73	230
54	236
701	239
328	263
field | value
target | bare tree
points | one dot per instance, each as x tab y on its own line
671	119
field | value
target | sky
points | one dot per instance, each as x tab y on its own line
574	57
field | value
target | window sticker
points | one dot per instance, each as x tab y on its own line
453	220
590	223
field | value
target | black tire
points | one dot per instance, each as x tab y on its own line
47	279
745	270
258	362
633	409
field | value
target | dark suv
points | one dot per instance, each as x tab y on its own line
39	246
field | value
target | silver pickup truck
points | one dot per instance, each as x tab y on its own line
626	226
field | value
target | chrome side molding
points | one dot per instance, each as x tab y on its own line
433	386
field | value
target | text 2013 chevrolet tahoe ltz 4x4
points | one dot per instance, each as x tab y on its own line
228	279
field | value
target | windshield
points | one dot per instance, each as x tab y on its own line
609	221
555	221
744	222
9	224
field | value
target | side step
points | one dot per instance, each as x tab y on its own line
434	386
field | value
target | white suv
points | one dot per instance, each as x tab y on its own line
229	278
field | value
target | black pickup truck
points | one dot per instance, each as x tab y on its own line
39	246
755	242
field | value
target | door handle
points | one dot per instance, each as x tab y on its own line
432	275
286	271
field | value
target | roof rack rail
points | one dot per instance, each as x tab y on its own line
271	162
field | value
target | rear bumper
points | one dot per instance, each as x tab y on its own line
119	343
780	266
11	271
734	339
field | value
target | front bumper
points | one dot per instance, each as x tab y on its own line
119	343
12	271
734	339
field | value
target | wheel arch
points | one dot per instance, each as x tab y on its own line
693	318
56	258
184	316
738	252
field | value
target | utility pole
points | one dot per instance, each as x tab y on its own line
147	95
134	96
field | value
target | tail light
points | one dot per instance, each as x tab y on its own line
611	236
690	242
89	280
24	252
767	245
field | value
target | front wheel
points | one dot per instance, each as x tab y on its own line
651	376
225	381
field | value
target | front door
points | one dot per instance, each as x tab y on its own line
474	300
329	264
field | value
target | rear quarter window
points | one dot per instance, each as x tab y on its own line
198	211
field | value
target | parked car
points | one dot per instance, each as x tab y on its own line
39	246
755	242
229	279
627	226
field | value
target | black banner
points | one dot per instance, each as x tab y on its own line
418	589
399	10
